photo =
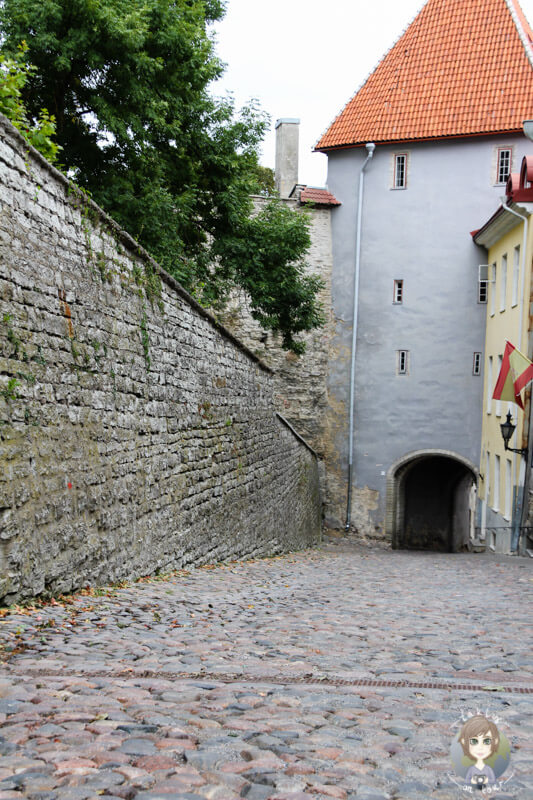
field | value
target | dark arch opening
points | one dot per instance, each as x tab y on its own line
435	495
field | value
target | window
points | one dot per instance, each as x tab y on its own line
499	402
496	497
483	283
489	385
398	292
492	288
402	362
400	171
516	273
504	165
476	368
503	282
508	490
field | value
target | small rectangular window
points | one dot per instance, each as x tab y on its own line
476	369
504	165
492	288
400	170
398	292
402	362
483	291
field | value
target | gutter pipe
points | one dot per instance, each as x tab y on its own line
523	477
370	147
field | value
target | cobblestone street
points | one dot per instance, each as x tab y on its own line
340	672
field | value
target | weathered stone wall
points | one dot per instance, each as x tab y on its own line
300	382
135	432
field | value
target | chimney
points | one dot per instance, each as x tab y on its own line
286	174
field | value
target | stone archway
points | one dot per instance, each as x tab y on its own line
430	504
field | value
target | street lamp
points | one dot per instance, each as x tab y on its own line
508	429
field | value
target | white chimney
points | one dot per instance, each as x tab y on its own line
286	173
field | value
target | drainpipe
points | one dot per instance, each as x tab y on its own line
523	477
370	150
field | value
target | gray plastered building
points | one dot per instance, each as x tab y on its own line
445	140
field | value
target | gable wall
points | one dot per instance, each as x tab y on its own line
421	235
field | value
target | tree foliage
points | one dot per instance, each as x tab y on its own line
127	81
14	74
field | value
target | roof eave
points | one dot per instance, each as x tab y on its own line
378	142
501	223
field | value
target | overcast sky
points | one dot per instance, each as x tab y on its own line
306	58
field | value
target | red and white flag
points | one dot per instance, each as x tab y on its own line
515	374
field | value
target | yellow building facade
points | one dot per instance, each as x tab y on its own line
505	286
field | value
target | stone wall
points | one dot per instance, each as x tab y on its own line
300	382
136	433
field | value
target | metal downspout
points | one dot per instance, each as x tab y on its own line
370	150
522	480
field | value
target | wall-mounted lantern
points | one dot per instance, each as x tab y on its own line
508	429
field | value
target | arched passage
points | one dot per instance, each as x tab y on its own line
430	501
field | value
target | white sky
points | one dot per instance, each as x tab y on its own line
306	58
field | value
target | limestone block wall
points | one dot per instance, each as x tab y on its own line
136	433
300	382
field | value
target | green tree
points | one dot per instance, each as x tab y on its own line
127	81
14	74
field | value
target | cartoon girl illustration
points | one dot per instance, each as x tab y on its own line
479	739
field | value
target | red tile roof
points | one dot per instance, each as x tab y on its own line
320	197
462	68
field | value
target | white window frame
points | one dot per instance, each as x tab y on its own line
489	385
499	402
504	165
402	362
516	275
503	282
508	489
483	292
492	289
397	297
399	172
496	491
476	365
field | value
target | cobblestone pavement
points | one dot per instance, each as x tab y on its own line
340	672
